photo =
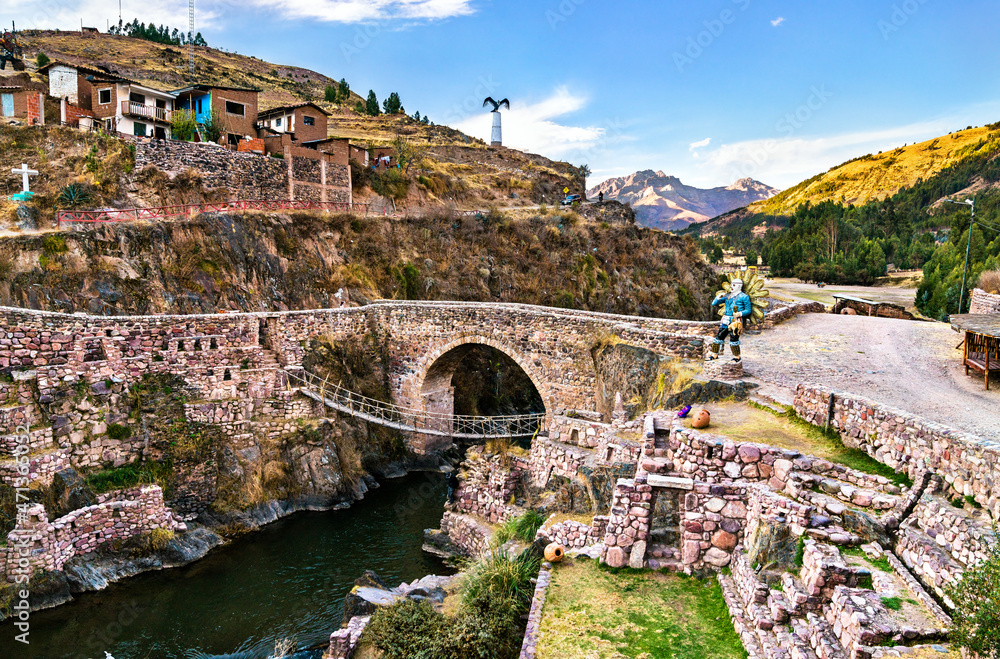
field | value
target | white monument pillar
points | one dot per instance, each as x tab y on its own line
496	139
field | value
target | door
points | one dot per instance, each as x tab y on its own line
159	133
7	105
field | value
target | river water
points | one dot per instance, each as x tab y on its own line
287	580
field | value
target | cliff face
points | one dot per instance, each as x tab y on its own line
259	262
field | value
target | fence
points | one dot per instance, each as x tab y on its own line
191	210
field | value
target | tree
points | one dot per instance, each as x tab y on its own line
330	94
715	256
215	126
751	257
416	116
371	106
407	152
343	91
42	59
183	126
359	107
584	172
976	618
392	105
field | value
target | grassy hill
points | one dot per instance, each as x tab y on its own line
876	177
456	169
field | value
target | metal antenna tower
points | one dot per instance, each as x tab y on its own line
191	40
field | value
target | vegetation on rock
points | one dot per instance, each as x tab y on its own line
977	606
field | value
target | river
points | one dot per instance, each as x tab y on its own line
287	580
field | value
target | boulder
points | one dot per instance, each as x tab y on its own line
615	557
638	556
717	557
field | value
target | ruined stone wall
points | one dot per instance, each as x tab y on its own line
572	534
40	544
983	302
908	443
470	536
966	537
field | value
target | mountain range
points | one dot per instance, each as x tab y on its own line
663	202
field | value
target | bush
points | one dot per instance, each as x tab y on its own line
119	432
130	475
989	281
54	245
521	528
183	126
498	591
74	195
41	59
392	183
977	606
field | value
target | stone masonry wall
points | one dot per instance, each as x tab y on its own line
40	544
983	302
908	443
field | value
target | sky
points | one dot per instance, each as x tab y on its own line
709	91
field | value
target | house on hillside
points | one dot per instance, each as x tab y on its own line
22	100
303	122
122	105
235	106
337	147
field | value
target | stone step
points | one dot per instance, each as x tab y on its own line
768	402
824	642
744	626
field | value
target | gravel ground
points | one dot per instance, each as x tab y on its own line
911	365
904	297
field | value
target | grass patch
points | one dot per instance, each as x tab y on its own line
893	603
130	475
601	614
523	528
749	422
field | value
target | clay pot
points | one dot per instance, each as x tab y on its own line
554	552
701	419
847	311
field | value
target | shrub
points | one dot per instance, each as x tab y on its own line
500	581
130	475
54	245
521	528
392	183
183	125
977	606
989	281
119	432
74	195
41	59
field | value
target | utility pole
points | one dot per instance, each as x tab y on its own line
191	41
968	247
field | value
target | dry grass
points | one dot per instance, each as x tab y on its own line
989	281
868	179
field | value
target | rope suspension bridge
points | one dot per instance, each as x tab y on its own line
418	421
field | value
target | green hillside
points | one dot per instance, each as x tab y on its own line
825	238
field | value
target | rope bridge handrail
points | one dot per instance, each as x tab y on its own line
420	421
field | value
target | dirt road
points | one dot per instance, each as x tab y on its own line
910	365
812	293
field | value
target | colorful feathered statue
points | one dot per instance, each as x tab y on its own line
741	302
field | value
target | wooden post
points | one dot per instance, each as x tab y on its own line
829	412
965	353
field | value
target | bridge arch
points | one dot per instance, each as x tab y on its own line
437	368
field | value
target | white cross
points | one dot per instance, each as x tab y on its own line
25	173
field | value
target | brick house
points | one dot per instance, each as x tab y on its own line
304	122
120	104
338	148
236	106
22	100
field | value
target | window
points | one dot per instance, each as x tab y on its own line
199	105
309	121
104	96
139	130
277	122
137	98
235	108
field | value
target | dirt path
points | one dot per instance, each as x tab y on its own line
812	293
910	365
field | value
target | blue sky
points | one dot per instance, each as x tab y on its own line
709	91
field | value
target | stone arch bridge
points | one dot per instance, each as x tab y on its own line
241	355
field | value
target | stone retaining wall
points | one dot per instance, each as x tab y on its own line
965	537
574	535
983	302
467	534
908	443
40	544
529	645
932	564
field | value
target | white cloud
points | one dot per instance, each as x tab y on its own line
700	143
783	162
778	21
533	127
66	14
354	11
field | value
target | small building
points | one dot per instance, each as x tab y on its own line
337	147
236	106
304	122
22	100
122	105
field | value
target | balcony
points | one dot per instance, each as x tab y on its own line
130	109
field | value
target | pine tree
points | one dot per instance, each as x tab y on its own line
330	94
343	90
416	116
371	107
392	105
